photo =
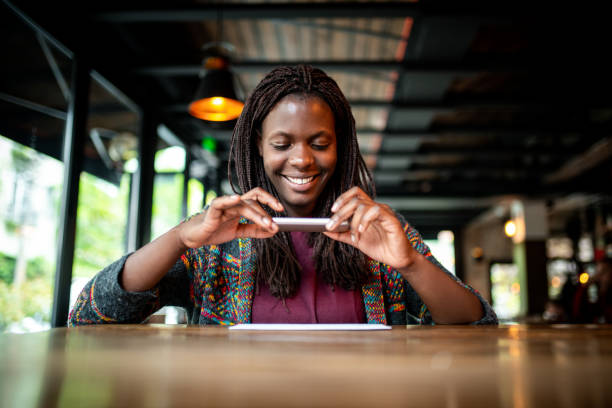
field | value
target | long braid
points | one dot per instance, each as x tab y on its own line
340	264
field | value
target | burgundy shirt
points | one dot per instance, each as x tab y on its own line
315	301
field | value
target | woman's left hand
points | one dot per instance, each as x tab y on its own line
374	229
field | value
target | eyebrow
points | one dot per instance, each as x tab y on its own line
313	136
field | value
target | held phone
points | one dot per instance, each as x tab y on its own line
306	224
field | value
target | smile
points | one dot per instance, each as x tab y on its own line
300	180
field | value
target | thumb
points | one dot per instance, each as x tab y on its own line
339	236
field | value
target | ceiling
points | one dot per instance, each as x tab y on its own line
457	104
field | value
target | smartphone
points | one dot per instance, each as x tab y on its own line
306	224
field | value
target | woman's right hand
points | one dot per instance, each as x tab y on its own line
221	221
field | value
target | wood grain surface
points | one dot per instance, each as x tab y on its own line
179	366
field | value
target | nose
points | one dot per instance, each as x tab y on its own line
301	156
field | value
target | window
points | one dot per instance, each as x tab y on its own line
30	188
33	105
167	190
443	249
104	188
505	290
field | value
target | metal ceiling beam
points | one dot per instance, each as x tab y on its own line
460	188
225	134
468	168
443	204
444	219
488	154
401	178
52	61
484	188
285	11
263	11
476	131
355	66
38	29
597	154
465	104
54	113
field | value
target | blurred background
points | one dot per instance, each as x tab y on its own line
487	126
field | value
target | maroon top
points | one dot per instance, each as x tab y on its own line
315	301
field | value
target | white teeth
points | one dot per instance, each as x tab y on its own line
300	180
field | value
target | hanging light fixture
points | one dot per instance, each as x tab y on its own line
218	97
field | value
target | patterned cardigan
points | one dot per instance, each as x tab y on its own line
215	285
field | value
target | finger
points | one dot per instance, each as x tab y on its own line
263	197
356	221
346	196
346	211
340	236
370	215
243	208
253	212
228	207
254	231
220	204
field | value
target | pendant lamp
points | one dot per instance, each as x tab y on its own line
218	97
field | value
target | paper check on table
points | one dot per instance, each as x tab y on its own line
310	327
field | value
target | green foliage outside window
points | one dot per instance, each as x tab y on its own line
100	235
101	224
167	197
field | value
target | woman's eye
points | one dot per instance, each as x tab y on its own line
319	146
280	146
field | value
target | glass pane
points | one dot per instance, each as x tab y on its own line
34	92
167	198
443	249
171	159
101	227
195	194
110	152
167	189
30	189
505	290
560	273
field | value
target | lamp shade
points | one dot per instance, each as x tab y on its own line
216	98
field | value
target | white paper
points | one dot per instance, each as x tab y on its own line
310	327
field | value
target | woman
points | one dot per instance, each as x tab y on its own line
295	153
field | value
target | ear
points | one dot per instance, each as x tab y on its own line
259	141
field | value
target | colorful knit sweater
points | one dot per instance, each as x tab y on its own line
215	285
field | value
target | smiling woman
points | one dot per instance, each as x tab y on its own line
294	153
298	146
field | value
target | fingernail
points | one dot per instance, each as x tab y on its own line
353	238
265	220
334	207
360	229
332	222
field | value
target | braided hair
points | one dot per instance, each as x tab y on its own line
277	266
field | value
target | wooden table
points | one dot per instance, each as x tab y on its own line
165	366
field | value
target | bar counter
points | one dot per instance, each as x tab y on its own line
183	366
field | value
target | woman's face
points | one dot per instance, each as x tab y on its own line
298	147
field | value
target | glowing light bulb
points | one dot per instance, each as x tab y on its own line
584	277
510	228
217	109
